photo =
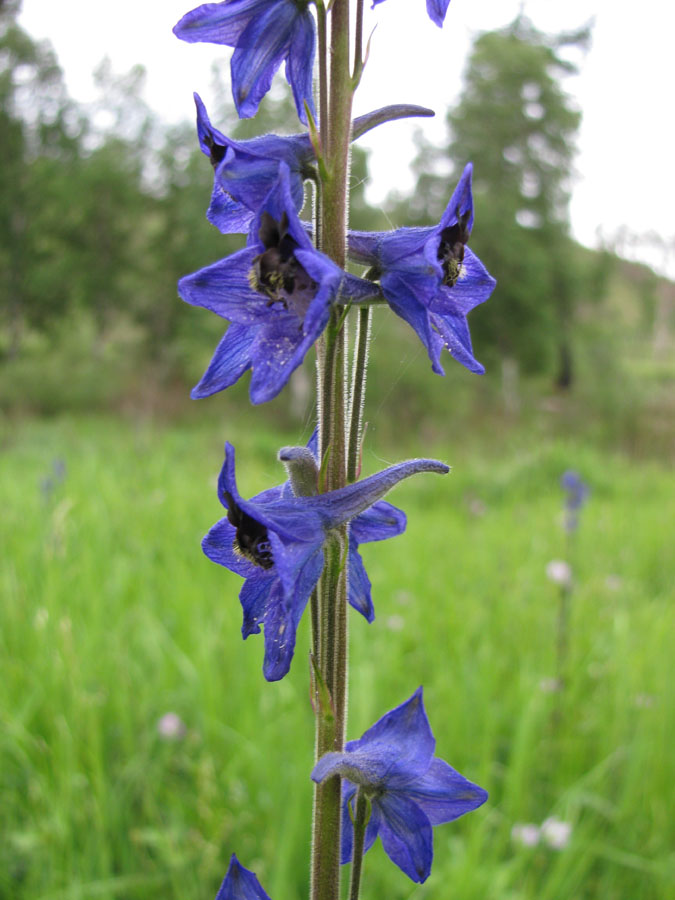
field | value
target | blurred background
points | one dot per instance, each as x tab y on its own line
140	745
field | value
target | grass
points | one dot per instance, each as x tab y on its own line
111	616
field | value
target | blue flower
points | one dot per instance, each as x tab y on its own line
275	542
245	171
240	884
263	33
277	293
409	788
430	278
435	8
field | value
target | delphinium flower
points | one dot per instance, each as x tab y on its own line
435	8
240	884
275	542
277	292
409	789
245	171
577	492
430	277
263	33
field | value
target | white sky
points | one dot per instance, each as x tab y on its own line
626	161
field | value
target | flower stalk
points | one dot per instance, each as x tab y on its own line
361	816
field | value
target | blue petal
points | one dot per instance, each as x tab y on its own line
218	545
280	630
300	65
260	591
474	286
402	298
395	751
240	884
298	565
443	794
437	10
455	334
462	200
276	353
231	359
224	288
359	585
406	834
260	50
227	214
218	23
403	737
381	521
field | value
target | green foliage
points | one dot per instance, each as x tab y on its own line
110	618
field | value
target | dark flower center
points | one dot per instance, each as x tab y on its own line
276	272
451	248
217	151
251	539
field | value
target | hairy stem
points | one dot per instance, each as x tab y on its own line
361	816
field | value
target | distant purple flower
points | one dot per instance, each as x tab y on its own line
240	884
430	278
171	727
275	542
410	790
435	8
526	834
277	292
556	833
577	492
263	33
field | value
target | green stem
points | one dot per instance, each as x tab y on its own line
361	816
359	373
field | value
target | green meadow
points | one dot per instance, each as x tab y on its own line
111	617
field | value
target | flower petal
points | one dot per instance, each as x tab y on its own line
300	64
240	884
276	353
406	835
383	520
443	794
231	359
455	334
224	288
359	585
218	545
218	23
259	592
474	286
402	738
403	299
437	10
259	52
